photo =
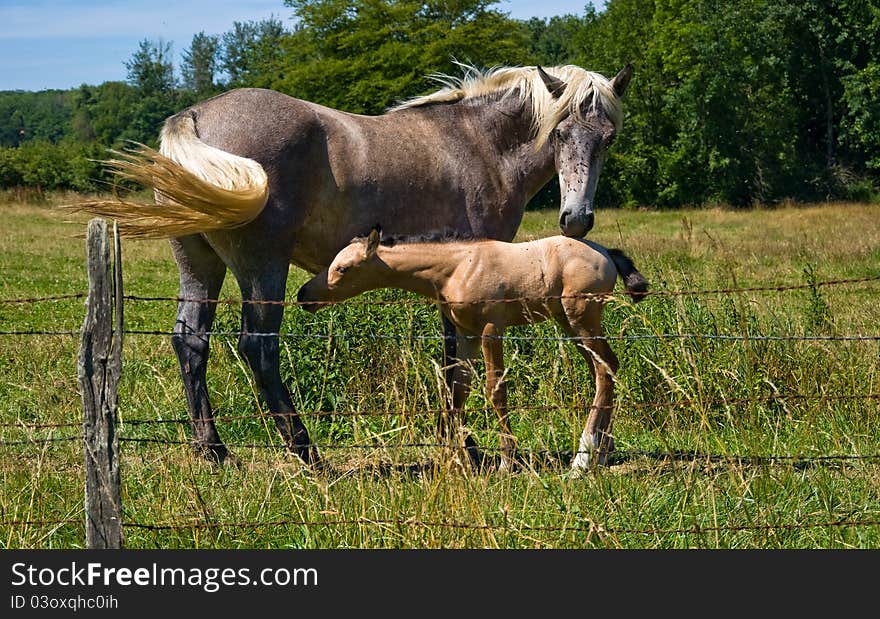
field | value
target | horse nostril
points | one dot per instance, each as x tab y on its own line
563	219
589	220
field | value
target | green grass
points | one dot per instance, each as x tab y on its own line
700	397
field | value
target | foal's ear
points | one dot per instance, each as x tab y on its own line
372	242
621	80
555	85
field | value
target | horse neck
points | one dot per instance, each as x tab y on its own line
503	125
423	268
508	126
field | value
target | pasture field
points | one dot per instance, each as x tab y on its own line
764	435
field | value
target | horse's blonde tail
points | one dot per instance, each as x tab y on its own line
198	187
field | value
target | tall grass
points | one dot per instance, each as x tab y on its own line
724	443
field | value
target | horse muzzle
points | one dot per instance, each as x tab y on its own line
307	301
576	225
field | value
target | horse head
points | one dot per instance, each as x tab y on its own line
589	122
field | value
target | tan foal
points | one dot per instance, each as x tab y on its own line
485	286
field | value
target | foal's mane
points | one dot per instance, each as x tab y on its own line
434	236
584	89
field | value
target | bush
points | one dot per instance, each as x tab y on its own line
46	166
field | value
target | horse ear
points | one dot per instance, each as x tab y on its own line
554	85
372	243
621	80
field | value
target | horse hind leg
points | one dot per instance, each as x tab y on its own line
459	376
259	345
201	277
596	439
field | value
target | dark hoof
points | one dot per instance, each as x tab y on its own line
308	453
216	453
476	457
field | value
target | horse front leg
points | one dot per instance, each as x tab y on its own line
259	345
496	390
201	277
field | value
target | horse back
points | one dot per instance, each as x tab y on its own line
257	123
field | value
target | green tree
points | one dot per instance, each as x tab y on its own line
251	50
554	41
200	64
716	116
151	74
25	116
46	166
857	63
104	113
151	68
626	32
364	55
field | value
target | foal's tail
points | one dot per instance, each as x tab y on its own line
198	187
635	283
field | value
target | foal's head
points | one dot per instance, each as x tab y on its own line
354	270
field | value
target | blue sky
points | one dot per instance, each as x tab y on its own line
62	44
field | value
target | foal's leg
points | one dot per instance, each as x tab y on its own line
496	389
267	286
460	377
201	276
596	436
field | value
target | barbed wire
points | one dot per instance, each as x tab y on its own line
620	454
39	523
514	338
524	338
766	399
35	332
57	297
421	301
31	441
605	296
589	527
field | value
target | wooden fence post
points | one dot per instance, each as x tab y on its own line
99	368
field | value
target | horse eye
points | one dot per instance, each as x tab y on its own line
341	270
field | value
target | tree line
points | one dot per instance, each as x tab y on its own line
733	101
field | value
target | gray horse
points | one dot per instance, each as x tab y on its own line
253	180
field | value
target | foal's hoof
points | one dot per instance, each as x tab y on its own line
597	453
587	461
507	466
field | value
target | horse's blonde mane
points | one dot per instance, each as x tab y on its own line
584	90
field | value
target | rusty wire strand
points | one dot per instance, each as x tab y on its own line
587	295
584	527
767	399
416	301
